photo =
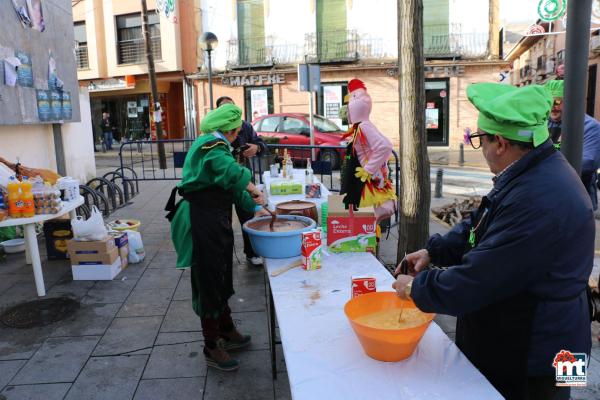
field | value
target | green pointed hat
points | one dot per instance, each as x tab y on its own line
224	119
556	88
514	113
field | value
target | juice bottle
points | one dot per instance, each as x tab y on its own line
15	204
27	199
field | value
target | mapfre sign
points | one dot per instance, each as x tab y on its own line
253	80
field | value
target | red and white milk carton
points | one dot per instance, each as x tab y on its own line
362	284
311	250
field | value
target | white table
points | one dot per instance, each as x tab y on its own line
325	360
298	176
31	244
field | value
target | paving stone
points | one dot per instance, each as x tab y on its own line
254	372
106	292
176	361
151	239
127	335
282	387
108	378
58	360
132	271
68	287
20	344
248	298
159	279
178	337
53	391
254	324
146	303
179	388
167	245
8	369
8	281
446	322
281	367
90	319
18	293
164	259
184	288
181	318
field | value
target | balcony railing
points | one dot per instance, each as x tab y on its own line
443	41
134	51
332	46
81	53
261	51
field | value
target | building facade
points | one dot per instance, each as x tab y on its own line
112	62
539	56
262	41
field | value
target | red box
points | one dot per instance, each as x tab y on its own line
362	284
311	250
348	230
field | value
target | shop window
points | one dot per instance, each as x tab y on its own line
251	32
258	101
131	48
436	111
81	49
330	99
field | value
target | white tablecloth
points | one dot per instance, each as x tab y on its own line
298	176
325	360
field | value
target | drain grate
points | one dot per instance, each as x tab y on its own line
39	312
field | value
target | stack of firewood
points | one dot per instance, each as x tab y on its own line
454	212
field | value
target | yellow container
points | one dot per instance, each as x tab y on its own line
132	225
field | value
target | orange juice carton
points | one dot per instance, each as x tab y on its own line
311	249
362	284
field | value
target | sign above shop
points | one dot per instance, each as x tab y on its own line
127	82
253	80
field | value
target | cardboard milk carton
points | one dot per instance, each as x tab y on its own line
348	230
311	250
362	284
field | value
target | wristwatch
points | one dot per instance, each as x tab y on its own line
408	289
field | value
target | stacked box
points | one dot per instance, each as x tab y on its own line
122	243
94	260
350	230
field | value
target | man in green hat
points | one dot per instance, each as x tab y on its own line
201	229
515	272
591	139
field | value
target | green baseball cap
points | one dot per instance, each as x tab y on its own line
556	88
514	113
224	119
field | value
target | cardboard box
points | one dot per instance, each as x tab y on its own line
362	284
100	246
107	258
311	250
96	272
57	233
348	230
124	254
285	187
120	238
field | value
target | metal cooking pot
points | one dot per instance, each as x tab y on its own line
298	207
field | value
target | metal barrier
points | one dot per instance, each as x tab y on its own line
139	162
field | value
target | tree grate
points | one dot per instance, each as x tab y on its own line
39	312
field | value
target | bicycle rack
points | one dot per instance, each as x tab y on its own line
98	185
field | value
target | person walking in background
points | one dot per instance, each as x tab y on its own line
591	139
247	145
518	268
106	128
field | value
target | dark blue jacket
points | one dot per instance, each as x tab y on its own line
526	274
248	135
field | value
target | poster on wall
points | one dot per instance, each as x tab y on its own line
54	81
10	70
36	15
25	70
67	107
332	99
55	105
432	118
132	109
43	105
259	102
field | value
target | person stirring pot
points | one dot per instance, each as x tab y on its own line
202	233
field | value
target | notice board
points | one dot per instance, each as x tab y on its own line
38	70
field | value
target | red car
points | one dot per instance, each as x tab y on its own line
294	129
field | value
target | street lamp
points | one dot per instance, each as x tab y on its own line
208	41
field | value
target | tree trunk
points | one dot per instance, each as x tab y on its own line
494	29
415	190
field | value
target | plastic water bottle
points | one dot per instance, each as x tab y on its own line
324	208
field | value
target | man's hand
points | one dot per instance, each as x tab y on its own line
251	150
400	285
258	197
417	261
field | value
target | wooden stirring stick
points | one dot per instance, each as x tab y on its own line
273	217
403	271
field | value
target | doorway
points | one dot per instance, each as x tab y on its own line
436	111
590	105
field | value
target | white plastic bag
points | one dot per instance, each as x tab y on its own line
91	229
136	247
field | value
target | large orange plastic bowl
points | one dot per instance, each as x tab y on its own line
384	344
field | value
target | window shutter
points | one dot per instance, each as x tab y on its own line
436	27
251	32
332	37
